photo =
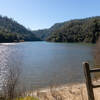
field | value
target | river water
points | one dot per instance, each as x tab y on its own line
44	64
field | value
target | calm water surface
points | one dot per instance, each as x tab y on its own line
43	64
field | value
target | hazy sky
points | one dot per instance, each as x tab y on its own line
38	14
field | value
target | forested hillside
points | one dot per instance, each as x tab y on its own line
11	31
45	33
82	30
78	30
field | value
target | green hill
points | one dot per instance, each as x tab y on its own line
45	33
11	31
78	30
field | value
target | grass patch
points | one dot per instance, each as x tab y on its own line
27	98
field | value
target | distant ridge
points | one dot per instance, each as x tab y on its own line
78	30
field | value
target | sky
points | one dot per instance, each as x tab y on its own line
40	14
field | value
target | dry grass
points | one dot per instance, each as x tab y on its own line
68	92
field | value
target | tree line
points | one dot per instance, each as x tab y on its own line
79	30
11	31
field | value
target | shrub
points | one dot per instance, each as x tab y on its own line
27	98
